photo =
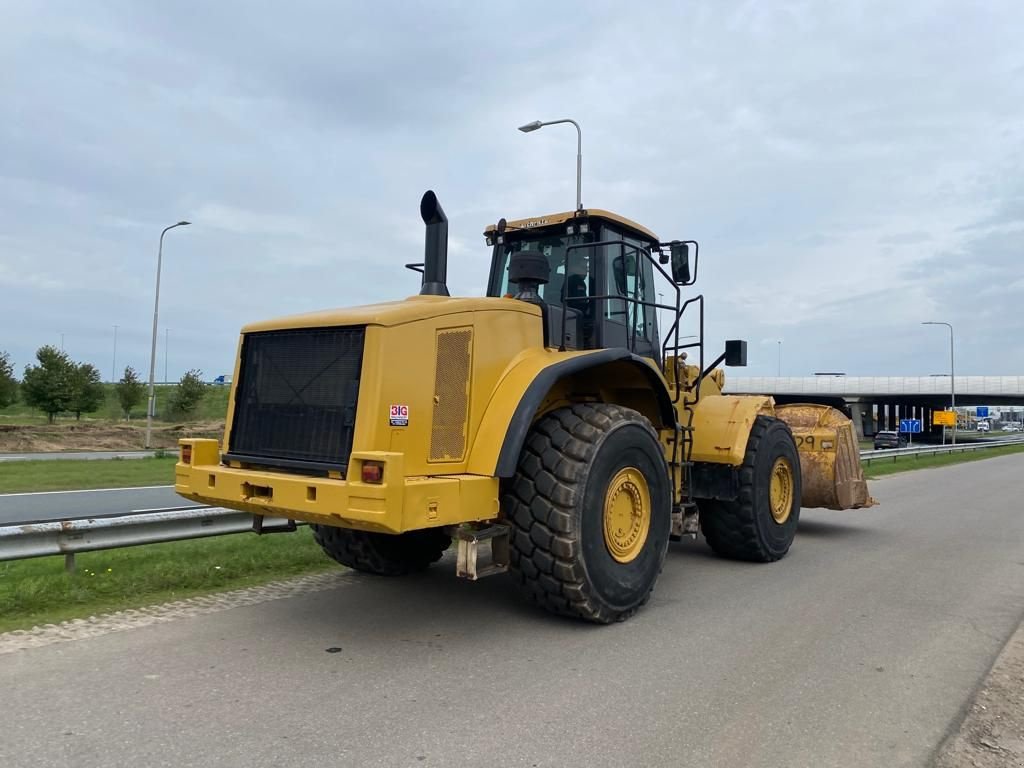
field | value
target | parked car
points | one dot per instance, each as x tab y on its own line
984	426
889	440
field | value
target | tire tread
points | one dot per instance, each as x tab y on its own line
729	527
539	504
380	553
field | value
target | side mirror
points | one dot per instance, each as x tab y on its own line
680	253
736	352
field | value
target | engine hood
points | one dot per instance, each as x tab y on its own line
391	313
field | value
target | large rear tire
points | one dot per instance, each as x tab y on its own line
590	509
382	554
759	525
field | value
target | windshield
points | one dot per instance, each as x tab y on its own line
553	248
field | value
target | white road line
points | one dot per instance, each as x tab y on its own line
85	490
167	509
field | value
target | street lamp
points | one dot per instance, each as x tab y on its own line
152	354
530	127
952	373
113	364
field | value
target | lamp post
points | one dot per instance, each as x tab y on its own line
530	127
952	373
778	373
152	354
113	363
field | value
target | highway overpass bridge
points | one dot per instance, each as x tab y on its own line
879	402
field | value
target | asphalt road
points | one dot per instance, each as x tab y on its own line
76	455
862	648
18	508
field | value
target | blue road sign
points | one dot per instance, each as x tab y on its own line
982	412
910	425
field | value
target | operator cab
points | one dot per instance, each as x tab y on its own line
600	285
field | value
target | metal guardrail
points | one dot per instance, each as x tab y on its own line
931	450
68	537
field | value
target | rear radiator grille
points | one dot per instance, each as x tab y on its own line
295	403
451	394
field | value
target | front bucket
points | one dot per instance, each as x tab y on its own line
829	458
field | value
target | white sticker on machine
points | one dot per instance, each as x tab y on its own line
399	415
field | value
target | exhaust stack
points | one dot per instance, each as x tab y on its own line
435	249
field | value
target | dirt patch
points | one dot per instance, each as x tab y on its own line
992	734
100	436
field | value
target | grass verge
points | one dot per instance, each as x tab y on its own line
71	474
39	591
881	467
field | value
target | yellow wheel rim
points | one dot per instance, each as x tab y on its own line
627	515
781	490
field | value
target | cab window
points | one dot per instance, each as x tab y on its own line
577	283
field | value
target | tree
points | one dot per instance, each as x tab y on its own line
86	390
130	391
49	385
8	384
188	394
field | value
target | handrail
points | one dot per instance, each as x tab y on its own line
636	299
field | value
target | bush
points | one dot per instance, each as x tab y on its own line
49	386
187	395
87	390
8	384
130	391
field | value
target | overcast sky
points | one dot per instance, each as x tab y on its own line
850	169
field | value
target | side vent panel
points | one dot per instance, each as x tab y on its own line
451	394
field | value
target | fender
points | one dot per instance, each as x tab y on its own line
722	424
520	394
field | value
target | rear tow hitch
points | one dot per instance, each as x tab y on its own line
263	526
469	539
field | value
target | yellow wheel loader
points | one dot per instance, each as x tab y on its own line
554	428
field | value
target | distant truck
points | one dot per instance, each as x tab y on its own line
224	378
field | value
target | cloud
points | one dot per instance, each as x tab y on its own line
846	178
240	221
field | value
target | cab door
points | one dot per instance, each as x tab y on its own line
626	272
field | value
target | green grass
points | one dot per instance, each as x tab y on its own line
888	466
39	591
60	474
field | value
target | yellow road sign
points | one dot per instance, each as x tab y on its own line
944	418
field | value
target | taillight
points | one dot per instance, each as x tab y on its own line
186	454
373	472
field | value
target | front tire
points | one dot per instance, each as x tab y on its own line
382	554
590	509
759	525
